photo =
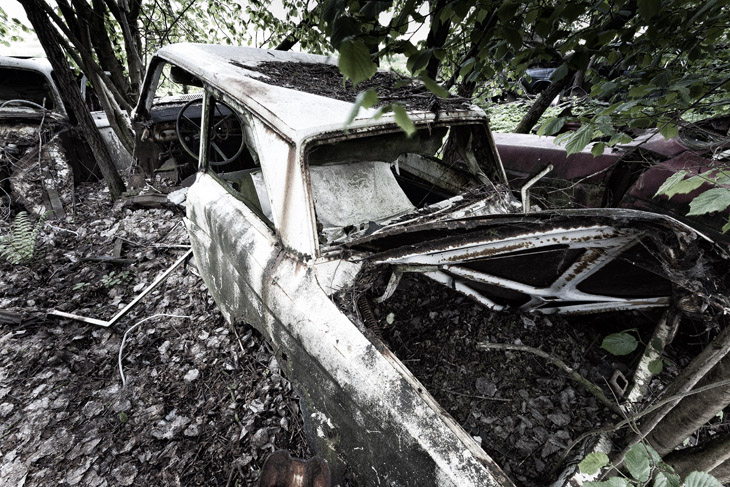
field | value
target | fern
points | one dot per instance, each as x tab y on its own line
20	245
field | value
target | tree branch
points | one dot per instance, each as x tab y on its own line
589	386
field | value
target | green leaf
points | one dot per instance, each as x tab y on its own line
715	199
343	28
403	121
701	479
667	479
670	182
612	482
434	87
726	226
419	61
593	462
355	62
669	130
581	138
619	138
552	126
619	343
598	149
513	36
680	185
365	99
637	462
649	8
641	90
656	366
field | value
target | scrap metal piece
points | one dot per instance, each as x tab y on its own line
524	191
123	312
281	470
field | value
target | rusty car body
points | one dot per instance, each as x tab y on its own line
289	208
627	176
33	119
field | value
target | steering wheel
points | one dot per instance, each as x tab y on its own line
225	126
23	102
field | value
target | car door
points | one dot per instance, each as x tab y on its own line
229	213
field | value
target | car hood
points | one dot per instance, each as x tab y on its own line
569	261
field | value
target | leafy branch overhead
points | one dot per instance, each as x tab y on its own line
711	189
628	55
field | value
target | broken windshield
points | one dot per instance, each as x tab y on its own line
365	182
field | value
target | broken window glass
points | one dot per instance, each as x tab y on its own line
364	182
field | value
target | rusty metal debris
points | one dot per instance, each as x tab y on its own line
281	470
123	312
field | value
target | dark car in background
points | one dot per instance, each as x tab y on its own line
627	176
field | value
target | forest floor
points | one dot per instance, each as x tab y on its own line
205	403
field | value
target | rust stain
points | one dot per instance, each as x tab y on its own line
281	470
488	252
582	266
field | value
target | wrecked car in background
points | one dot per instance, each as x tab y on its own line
33	119
290	209
627	176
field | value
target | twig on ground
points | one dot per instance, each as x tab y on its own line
590	386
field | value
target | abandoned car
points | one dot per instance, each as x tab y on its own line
291	209
32	118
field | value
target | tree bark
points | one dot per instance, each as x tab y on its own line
704	458
68	86
437	35
692	412
722	473
542	103
700	367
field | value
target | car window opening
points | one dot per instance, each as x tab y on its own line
362	184
20	84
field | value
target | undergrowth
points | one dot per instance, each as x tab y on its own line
19	246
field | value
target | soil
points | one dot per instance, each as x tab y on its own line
204	403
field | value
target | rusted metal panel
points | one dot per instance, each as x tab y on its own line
641	194
281	470
489	267
528	154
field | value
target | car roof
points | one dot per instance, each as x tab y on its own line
294	112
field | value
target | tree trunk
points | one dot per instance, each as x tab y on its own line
704	458
693	411
698	368
542	103
71	94
722	473
437	36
